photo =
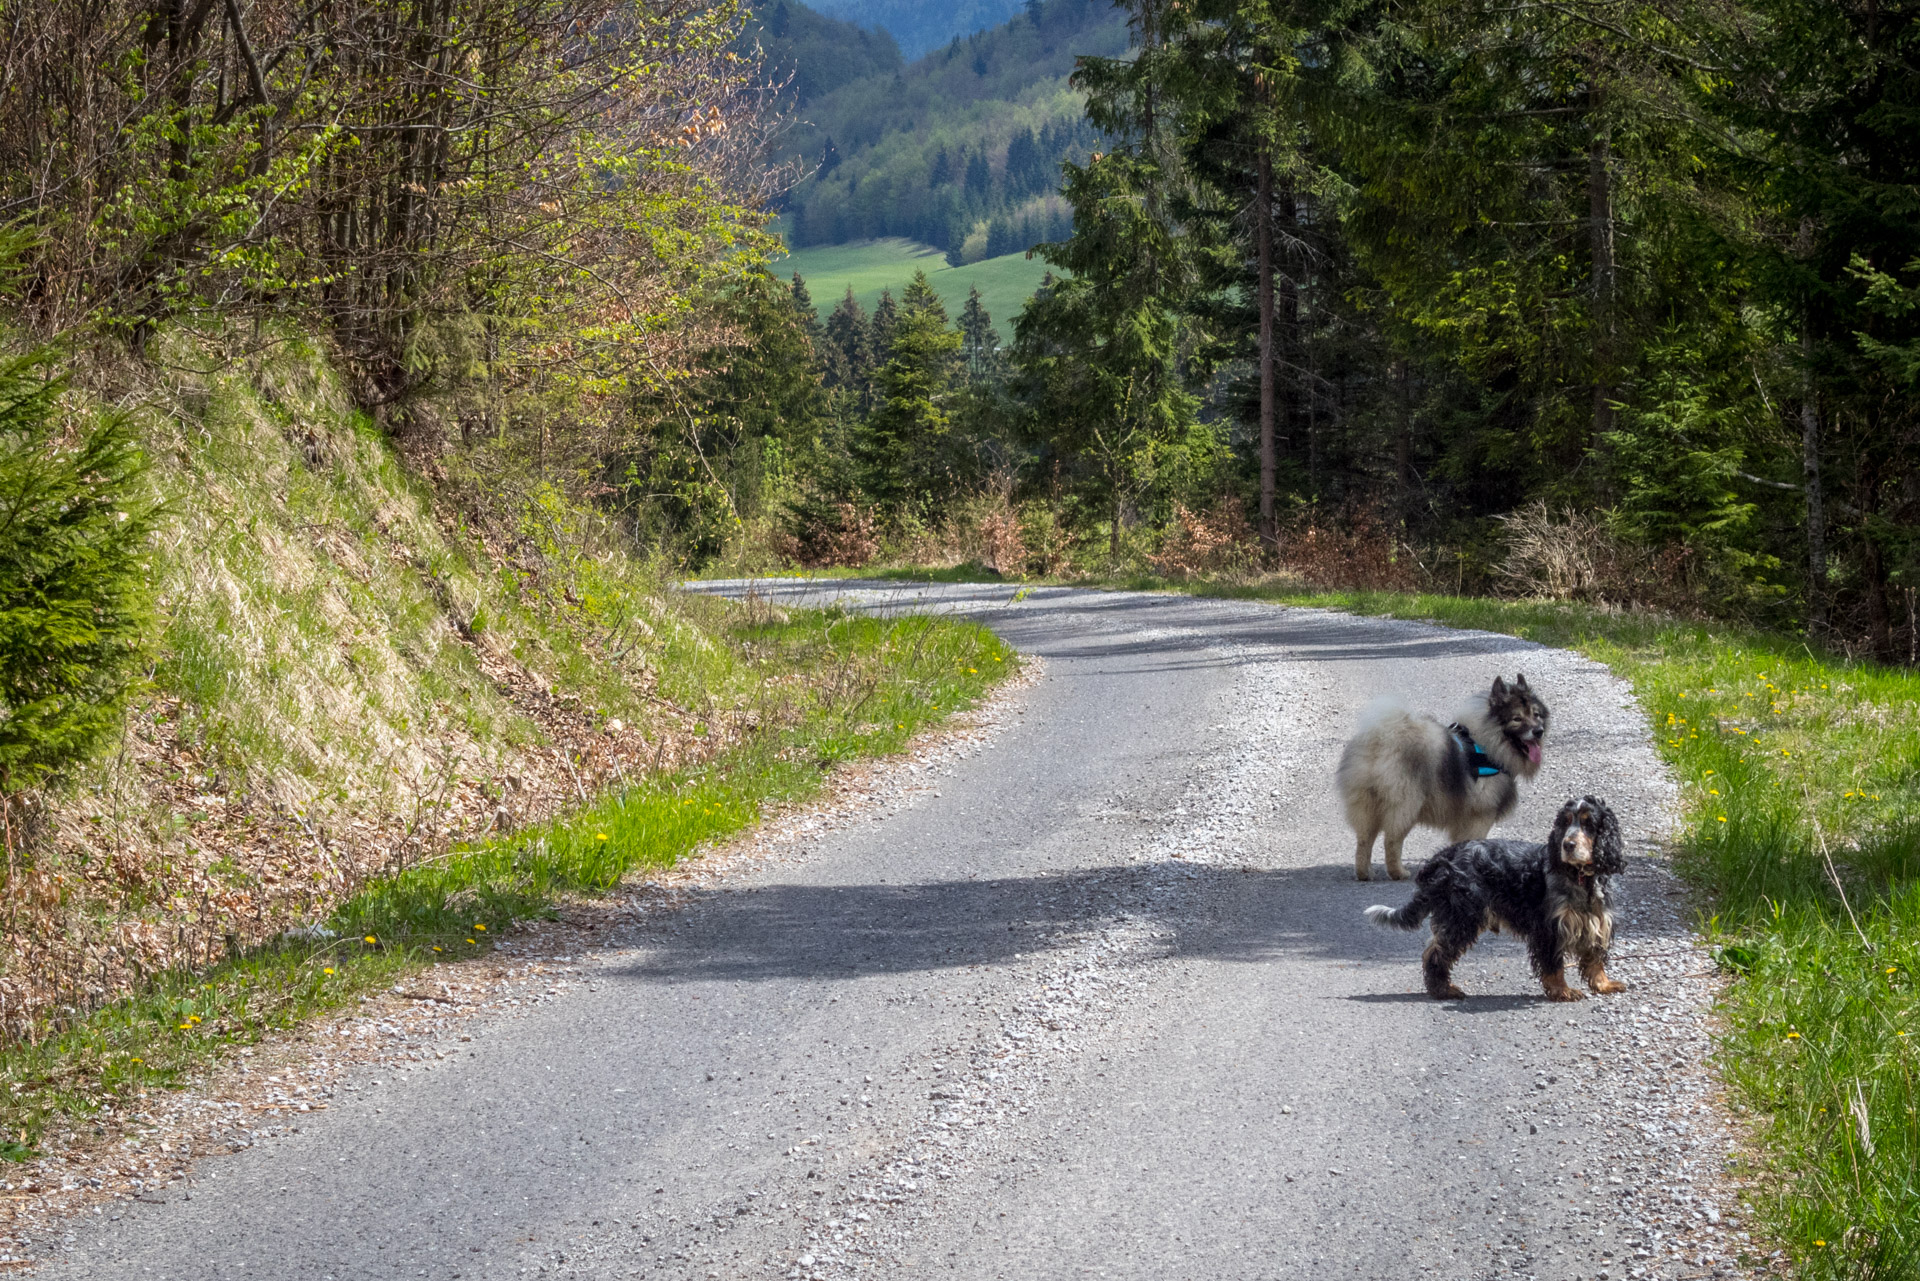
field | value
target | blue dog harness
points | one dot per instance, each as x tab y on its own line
1477	760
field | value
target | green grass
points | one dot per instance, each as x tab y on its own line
867	686
868	266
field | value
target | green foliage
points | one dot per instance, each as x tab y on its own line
74	595
1098	354
904	450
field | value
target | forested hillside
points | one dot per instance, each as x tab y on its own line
962	150
808	54
919	27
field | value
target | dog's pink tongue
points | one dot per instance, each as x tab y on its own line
1533	753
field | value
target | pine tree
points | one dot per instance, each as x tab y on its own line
804	308
849	345
885	317
73	580
902	447
979	345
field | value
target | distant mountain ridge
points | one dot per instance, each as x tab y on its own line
920	27
962	148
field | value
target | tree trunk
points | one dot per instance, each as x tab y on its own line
1403	438
1263	242
1600	236
1873	561
1816	515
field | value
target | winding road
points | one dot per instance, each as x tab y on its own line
1094	998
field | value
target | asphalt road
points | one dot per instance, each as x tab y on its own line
1099	1001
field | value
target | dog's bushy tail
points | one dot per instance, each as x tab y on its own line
1406	918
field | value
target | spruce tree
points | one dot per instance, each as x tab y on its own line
979	345
901	448
885	316
74	598
848	348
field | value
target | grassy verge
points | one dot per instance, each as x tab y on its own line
867	686
1800	778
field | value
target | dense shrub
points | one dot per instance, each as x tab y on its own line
73	580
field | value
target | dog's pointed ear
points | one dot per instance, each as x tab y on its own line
1499	689
1520	682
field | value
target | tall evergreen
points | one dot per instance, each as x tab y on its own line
903	448
886	315
979	345
848	343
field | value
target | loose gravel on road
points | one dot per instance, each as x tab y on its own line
1083	989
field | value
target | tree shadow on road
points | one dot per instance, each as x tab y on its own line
1193	911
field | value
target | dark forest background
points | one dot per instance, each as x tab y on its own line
1603	300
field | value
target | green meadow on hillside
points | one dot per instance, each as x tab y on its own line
868	266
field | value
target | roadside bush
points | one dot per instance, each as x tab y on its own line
1578	556
820	532
1199	544
73	582
1356	549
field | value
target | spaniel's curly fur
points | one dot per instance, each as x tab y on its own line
1552	895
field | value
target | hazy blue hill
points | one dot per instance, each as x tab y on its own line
923	25
961	149
814	54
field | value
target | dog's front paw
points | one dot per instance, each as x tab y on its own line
1397	873
1607	987
1565	994
1362	874
1453	993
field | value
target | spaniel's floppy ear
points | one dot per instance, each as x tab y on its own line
1610	851
1561	822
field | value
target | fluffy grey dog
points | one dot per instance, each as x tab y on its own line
1404	770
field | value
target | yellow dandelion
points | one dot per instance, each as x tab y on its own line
599	836
328	970
372	939
469	940
478	926
1821	1244
436	948
139	1060
1723	818
1794	1036
1713	791
1893	969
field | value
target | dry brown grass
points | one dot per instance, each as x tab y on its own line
1576	556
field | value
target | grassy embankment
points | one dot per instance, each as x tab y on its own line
1800	780
370	713
867	267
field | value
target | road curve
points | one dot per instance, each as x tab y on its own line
1099	1002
